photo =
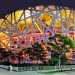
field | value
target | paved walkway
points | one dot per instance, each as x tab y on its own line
5	72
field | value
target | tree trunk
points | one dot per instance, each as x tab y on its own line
59	63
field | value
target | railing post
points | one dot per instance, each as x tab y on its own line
10	68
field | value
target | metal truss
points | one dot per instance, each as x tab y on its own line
25	27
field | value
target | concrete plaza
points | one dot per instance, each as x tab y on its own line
5	72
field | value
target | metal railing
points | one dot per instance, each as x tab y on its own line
36	68
50	68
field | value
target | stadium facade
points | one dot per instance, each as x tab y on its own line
23	27
25	24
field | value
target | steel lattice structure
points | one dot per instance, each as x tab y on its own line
23	27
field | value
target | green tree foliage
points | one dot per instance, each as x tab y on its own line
63	59
60	44
53	61
35	51
38	51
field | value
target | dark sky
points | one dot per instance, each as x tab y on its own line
8	6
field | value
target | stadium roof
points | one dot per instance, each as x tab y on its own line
9	6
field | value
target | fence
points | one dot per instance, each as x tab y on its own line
50	68
36	68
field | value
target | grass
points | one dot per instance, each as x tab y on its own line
52	72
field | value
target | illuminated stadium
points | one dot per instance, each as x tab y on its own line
21	28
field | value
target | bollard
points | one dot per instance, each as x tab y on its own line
10	68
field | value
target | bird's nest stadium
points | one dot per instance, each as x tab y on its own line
20	27
23	27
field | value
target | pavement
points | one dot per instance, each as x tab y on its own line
5	72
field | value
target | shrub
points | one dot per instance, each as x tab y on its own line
53	61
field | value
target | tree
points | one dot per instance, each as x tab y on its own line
53	61
60	44
38	51
35	52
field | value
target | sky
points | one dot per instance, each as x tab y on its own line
8	6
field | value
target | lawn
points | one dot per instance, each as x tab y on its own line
52	72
